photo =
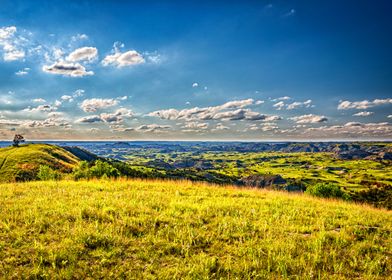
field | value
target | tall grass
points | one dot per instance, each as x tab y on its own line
136	229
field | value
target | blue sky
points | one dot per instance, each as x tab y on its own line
227	70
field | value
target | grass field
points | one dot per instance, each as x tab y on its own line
23	162
181	230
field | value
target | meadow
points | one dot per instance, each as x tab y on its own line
159	229
303	168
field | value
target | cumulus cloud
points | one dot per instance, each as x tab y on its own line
119	59
11	44
39	100
310	118
50	122
94	104
354	129
67	69
89	119
281	98
296	105
365	104
264	127
196	125
220	126
23	72
116	117
279	106
153	128
41	108
79	37
363	114
233	110
68	98
83	54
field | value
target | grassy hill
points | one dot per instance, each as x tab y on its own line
22	163
138	229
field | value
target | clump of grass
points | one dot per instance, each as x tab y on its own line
181	230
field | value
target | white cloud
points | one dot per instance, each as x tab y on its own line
279	106
11	55
68	98
195	85
310	118
196	125
153	128
281	98
94	104
50	122
79	37
23	72
117	116
67	69
220	126
78	93
89	119
363	114
12	44
83	54
296	105
119	59
233	110
354	129
39	100
365	104
41	108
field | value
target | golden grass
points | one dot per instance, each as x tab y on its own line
153	229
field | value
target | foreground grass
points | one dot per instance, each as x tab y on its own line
153	229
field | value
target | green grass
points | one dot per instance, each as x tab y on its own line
180	230
26	159
308	168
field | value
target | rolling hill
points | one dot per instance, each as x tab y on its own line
22	163
137	229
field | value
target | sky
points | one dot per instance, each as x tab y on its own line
196	70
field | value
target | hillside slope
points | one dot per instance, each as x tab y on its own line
180	230
22	163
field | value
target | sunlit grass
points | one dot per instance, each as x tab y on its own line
178	229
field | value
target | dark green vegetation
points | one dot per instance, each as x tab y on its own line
138	229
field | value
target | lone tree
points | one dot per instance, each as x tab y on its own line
18	139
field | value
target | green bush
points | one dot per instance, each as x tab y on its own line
327	190
45	173
100	169
81	171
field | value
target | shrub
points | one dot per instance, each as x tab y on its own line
100	169
328	190
45	173
81	171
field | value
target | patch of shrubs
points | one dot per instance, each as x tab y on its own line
45	173
327	190
378	195
97	169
